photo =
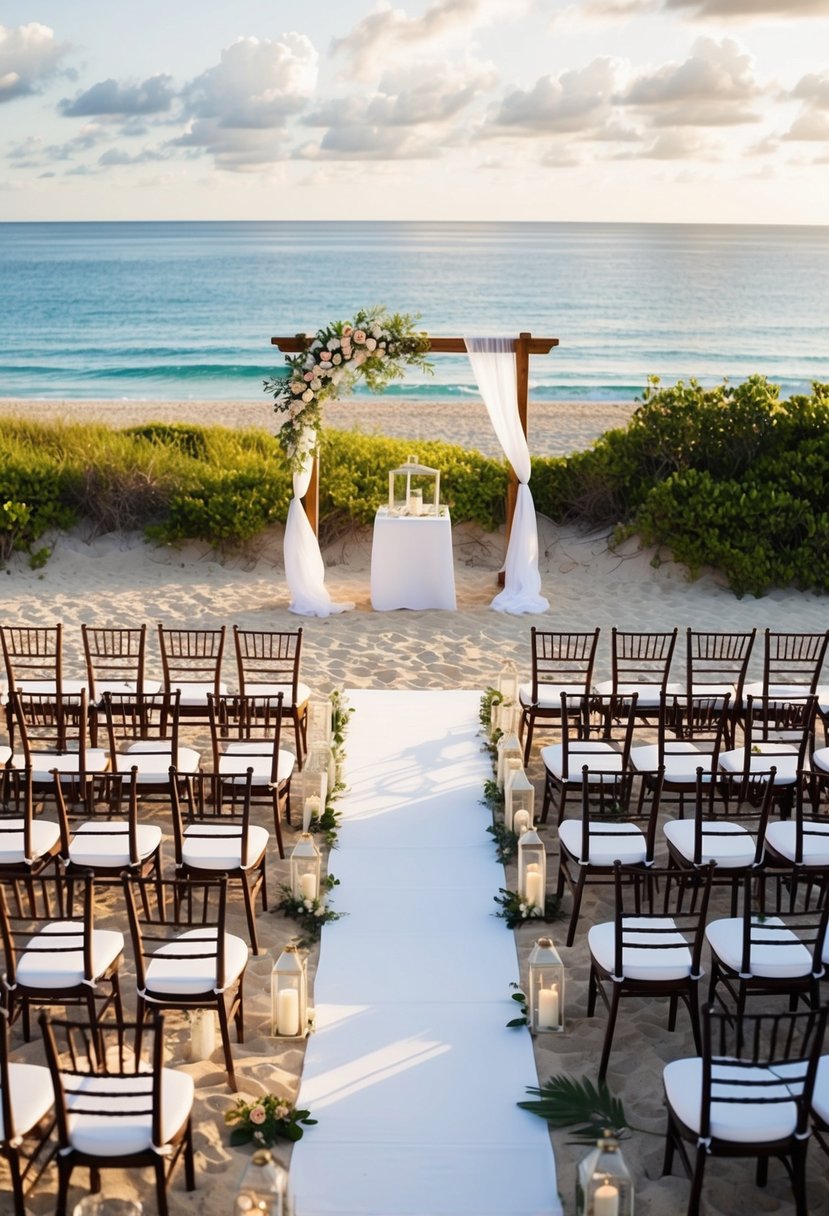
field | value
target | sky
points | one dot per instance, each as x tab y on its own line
710	111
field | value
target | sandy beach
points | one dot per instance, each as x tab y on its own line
120	579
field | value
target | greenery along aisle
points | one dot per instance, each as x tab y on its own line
375	347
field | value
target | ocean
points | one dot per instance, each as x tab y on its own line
155	311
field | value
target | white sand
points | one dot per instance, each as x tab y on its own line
121	580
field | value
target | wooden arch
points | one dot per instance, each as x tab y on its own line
524	346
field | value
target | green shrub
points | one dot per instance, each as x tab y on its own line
224	508
32	499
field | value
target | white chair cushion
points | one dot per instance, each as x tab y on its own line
718	691
107	844
788	960
68	764
781	693
820	759
781	838
153	761
549	695
627	844
5	752
601	758
738	1122
719	842
125	688
71	688
122	1136
647	694
43	968
183	977
32	1096
194	693
45	836
822	694
782	756
820	1096
239	757
651	965
681	761
303	692
211	847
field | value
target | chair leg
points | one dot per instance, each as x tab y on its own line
277	825
670	1145
696	1181
611	1026
189	1161
762	1172
529	718
64	1174
799	1177
13	1158
250	914
693	1010
228	1054
592	992
161	1187
578	891
239	1017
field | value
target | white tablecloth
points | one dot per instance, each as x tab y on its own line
411	562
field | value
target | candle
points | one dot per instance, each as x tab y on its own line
521	822
308	886
606	1200
311	810
533	891
287	1012
548	1018
416	503
202	1034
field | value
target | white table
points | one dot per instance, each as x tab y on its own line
411	562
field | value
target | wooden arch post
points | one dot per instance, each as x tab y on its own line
524	346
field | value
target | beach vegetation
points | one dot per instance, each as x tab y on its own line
730	477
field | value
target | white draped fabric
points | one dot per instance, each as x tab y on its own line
411	1072
493	362
304	567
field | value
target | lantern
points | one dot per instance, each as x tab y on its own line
507	748
604	1186
508	683
315	772
318	721
412	501
506	717
305	868
532	869
289	995
264	1187
519	796
202	1034
546	985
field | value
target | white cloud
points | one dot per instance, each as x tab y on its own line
714	87
29	57
811	125
388	32
784	9
814	89
109	98
675	145
573	101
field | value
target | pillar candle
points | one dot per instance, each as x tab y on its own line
548	1015
533	892
308	886
606	1200
202	1034
310	810
287	1011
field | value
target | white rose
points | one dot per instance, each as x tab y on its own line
371	344
333	344
298	387
336	359
308	904
320	912
376	331
315	345
316	385
307	395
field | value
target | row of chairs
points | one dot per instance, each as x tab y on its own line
267	664
716	664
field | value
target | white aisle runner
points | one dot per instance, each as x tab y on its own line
411	1072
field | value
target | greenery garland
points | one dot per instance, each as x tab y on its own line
375	347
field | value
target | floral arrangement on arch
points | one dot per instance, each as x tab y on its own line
375	347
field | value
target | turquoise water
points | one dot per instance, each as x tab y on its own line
187	310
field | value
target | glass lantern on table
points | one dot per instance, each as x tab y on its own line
406	498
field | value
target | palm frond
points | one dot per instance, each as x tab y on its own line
588	1108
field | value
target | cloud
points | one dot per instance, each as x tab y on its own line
238	109
115	157
109	98
388	31
813	89
811	125
714	87
574	101
29	57
674	145
784	9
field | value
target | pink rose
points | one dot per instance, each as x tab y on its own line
347	330
359	335
371	344
325	355
257	1115
308	377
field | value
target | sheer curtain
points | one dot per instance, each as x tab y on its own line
304	567
493	362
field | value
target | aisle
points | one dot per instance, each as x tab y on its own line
411	1072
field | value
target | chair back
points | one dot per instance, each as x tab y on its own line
563	658
641	658
793	659
764	936
33	656
777	725
760	1062
578	750
38	921
99	827
608	818
114	1070
51	724
192	656
666	924
18	851
716	826
182	919
208	817
717	661
243	730
114	657
268	657
151	718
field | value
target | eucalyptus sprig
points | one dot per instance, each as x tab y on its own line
506	842
494	797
